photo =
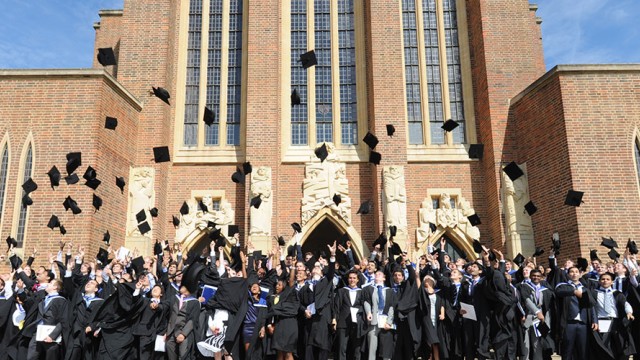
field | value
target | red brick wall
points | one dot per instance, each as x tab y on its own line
108	36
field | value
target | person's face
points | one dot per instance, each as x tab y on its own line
526	271
300	266
619	269
172	269
261	273
91	287
301	275
456	275
41	275
371	267
447	258
353	280
289	260
117	269
473	270
179	278
84	268
144	281
605	281
156	292
536	277
568	264
279	287
398	277
460	262
380	277
596	265
255	289
184	291
574	274
364	263
507	265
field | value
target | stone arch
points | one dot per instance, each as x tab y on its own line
458	238
326	214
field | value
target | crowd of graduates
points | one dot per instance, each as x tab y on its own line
288	304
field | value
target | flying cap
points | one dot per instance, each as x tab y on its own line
29	186
513	171
238	177
295	98
365	208
613	254
203	207
141	216
232	230
54	222
296	227
474	220
539	251
144	228
209	116
97	202
281	241
583	264
93	183
74	160
593	255
26	201
476	151
449	125
247	168
175	220
574	198
337	199
390	129
11	241
371	140
633	248
395	249
609	243
519	260
393	230
54	176
102	256
381	240
161	154
63	231
90	173
110	123
137	264
477	247
120	183
161	94
308	59
72	179
106	56
184	209
322	152
153	212
255	202
530	208
69	203
375	158
106	238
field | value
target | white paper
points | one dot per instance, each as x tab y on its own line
382	320
160	344
43	332
604	325
312	308
470	311
354	314
122	253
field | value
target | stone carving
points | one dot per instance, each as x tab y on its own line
141	197
426	216
445	218
196	221
394	199
260	219
515	194
322	181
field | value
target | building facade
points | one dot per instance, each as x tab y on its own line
410	63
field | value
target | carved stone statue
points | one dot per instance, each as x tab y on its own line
464	225
519	234
196	221
141	197
446	218
426	216
260	219
394	196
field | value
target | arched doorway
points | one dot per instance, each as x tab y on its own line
325	233
452	249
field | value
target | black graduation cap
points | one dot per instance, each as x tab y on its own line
308	59
291	251
15	261
90	173
395	249
476	151
449	125
175	220
238	177
513	171
281	241
574	198
106	238
220	240
157	248
593	255
519	260
110	123
29	186
106	56
141	216
543	329
433	227
633	248
539	251
390	129
255	202
583	264
203	207
609	243
72	179
257	254
209	116
11	241
322	152
381	240
144	228
102	256
161	154
120	183
371	140
137	264
69	203
233	229
613	254
365	208
393	230
54	176
27	201
375	157
296	227
492	255
63	231
97	202
93	183
153	212
247	168
184	209
74	160
477	247
295	98
54	222
337	199
474	220
161	94
530	208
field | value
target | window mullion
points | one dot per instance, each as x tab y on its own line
335	74
442	50
422	68
204	60
224	74
311	76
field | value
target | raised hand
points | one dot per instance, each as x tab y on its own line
332	249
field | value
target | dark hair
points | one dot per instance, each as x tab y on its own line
611	275
535	271
352	272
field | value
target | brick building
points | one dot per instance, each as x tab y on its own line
411	63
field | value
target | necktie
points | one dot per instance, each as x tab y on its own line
473	284
455	296
537	287
181	302
395	288
380	299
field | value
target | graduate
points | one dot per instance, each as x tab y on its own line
379	303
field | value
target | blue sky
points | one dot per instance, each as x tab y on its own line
59	34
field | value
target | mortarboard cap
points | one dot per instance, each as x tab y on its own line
157	248
153	212
633	248
543	329
476	151
69	203
209	116
54	176
433	227
238	177
257	254
29	186
255	202
203	207
513	171
477	247
141	216
215	234
574	198
184	209
161	154
137	264
11	241
175	220
291	251
582	264
474	220
390	129
281	241
395	249
365	208
492	255
375	157
97	202
74	160
295	98
102	256
72	179
308	59
106	56
609	243
393	230
106	238
381	240
220	240
371	140
161	94
110	123
144	228
613	254
322	152
27	201
90	173
593	255
337	199
530	208
539	251
120	183
93	183
54	222
247	168
519	260
296	227
232	230
449	125
15	262
63	231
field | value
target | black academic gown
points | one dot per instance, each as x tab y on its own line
545	303
19	343
621	344
231	296
283	314
53	314
318	328
80	316
150	324
431	334
408	328
7	307
256	350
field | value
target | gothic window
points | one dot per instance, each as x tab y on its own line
637	156
4	166
26	174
